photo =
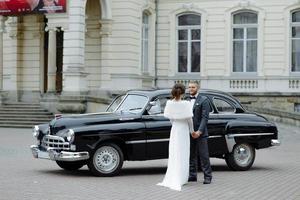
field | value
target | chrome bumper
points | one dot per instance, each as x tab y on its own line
275	142
52	154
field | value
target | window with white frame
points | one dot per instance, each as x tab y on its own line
295	41
145	43
188	43
244	38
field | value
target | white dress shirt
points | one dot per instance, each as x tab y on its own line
193	100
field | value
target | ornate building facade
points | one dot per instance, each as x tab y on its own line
74	61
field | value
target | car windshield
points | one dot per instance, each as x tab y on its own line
132	103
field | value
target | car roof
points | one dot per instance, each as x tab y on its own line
155	92
151	93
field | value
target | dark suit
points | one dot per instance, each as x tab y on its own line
199	146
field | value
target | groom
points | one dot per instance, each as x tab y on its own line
199	138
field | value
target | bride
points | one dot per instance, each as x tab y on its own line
180	114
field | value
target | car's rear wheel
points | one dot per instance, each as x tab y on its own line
107	160
241	158
70	166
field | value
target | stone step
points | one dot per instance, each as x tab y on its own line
15	116
21	109
19	106
26	113
16	126
23	115
18	119
23	122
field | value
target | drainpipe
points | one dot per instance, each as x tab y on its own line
155	53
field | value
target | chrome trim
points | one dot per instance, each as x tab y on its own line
37	153
36	131
160	140
230	142
52	154
136	142
249	134
275	142
124	119
215	136
67	156
147	141
55	142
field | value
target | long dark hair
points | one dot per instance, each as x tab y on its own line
177	90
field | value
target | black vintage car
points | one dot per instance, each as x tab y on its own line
134	128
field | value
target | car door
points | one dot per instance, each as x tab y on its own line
157	130
224	111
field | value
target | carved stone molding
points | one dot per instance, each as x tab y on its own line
2	24
244	4
36	35
189	6
47	28
149	6
16	35
105	27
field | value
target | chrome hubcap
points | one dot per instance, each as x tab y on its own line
106	159
243	155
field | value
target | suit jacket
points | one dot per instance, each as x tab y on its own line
201	111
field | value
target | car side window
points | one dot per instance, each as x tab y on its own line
223	106
159	107
210	106
115	103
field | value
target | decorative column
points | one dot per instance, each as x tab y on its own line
51	87
105	34
12	78
72	98
2	30
74	74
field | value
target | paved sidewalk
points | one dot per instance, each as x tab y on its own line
274	175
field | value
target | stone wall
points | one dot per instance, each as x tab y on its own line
273	101
281	116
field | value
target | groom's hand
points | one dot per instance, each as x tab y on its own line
196	134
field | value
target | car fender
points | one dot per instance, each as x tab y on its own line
105	133
237	131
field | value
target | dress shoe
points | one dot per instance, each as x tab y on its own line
207	181
192	179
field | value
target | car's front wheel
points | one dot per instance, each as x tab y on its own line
70	166
241	158
107	160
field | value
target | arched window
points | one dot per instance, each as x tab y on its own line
188	43
295	41
244	30
145	43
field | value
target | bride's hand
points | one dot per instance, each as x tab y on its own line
196	134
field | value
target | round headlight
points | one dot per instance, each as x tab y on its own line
70	135
36	131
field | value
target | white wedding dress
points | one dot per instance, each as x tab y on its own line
180	113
